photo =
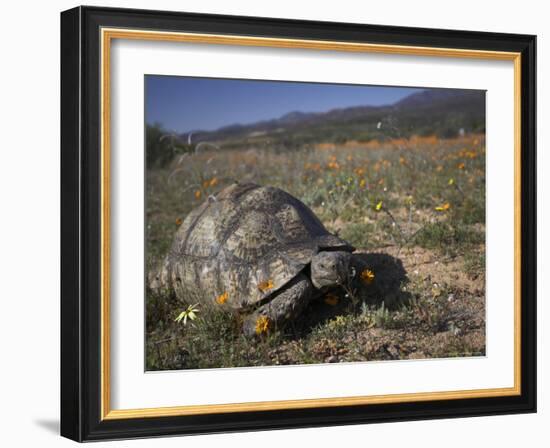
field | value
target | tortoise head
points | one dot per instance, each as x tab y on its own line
330	268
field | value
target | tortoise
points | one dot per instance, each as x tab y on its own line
256	250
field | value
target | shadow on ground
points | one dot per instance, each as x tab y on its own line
390	276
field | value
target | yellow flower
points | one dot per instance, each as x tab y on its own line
179	221
222	298
443	208
378	206
262	324
363	183
198	194
367	276
451	181
265	285
331	299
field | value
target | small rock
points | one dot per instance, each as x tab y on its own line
393	350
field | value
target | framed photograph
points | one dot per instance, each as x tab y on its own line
276	224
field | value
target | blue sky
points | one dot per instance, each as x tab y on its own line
185	104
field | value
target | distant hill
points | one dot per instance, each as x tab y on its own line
441	112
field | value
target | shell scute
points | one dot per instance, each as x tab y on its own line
244	239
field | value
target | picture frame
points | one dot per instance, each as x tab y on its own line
87	34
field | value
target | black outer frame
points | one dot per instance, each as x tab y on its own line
80	223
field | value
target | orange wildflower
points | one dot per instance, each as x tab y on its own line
331	299
265	285
367	276
359	171
222	298
262	324
443	208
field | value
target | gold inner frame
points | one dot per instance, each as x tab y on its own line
107	35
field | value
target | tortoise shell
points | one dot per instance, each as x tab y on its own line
243	244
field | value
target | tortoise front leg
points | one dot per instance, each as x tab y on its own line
284	307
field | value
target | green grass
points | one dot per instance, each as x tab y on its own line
474	264
449	238
359	235
387	199
214	339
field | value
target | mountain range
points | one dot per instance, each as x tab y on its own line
441	112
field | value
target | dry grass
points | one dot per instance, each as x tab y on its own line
415	207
